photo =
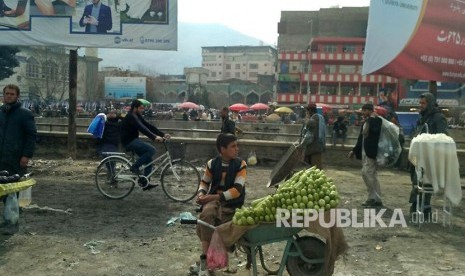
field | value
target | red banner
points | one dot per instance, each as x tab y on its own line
429	46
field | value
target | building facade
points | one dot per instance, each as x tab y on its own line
246	63
320	59
329	72
43	74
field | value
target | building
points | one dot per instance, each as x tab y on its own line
320	59
43	74
246	63
329	72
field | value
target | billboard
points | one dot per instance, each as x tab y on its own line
128	24
125	88
416	39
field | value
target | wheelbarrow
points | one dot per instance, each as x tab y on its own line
303	255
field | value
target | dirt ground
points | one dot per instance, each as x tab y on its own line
70	229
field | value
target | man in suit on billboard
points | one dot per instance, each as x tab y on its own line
96	18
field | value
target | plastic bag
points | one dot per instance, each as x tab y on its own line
252	159
389	147
97	125
11	213
217	255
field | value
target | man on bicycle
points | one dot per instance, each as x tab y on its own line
132	124
222	188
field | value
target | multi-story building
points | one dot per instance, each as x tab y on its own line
329	72
246	63
327	68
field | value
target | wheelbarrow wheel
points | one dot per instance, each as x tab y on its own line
311	248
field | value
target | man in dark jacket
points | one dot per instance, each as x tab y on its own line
17	141
132	124
366	149
431	121
227	126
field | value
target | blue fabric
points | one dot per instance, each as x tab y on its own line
145	151
321	129
97	125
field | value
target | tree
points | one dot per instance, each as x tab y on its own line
8	61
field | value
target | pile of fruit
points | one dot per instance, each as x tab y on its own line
306	189
5	177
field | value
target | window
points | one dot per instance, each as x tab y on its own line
349	48
50	70
227	74
32	69
253	66
347	69
237	75
253	74
228	66
330	69
330	48
238	66
213	74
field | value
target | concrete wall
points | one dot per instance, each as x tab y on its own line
199	150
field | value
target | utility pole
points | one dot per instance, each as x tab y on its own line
72	103
433	88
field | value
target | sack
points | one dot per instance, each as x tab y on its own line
307	137
389	147
11	212
252	159
217	255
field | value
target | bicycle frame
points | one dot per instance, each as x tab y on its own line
158	163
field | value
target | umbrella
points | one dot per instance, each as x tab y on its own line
238	107
283	109
188	105
259	106
144	102
324	107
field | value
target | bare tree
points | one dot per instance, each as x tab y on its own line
47	72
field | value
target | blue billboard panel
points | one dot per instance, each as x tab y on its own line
125	87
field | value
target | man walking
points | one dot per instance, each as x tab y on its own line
314	137
366	149
431	121
17	141
227	125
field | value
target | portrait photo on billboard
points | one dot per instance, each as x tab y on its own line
14	14
96	17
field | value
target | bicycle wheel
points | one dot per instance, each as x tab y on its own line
113	177
180	181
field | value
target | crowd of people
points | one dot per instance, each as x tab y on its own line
223	184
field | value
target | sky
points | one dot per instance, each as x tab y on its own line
253	17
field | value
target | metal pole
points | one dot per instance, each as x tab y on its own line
72	103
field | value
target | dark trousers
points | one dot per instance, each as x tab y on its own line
145	151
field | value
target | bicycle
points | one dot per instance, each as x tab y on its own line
179	178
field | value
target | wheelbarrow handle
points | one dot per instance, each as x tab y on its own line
188	221
197	221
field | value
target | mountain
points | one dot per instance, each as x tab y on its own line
191	38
